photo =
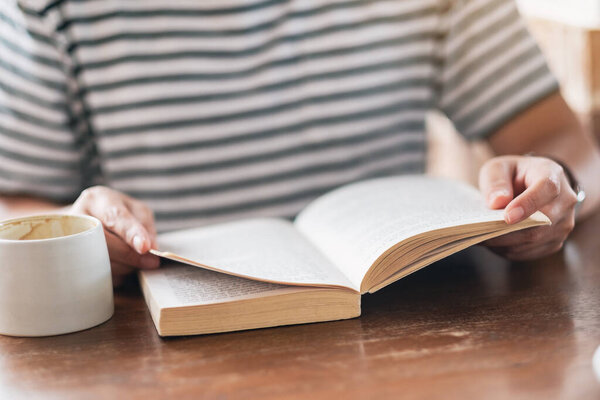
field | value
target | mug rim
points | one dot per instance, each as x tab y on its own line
95	220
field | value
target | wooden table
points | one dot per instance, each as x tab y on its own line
473	326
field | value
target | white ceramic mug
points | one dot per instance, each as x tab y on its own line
54	275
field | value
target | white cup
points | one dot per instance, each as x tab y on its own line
54	275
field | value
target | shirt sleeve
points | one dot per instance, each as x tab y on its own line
45	147
492	69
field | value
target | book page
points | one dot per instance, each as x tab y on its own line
270	250
355	224
178	285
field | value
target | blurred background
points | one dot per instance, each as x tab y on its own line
568	32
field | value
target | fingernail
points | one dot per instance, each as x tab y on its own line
498	193
514	215
149	261
138	244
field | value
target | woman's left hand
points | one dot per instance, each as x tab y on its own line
523	185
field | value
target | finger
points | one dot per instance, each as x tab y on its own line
120	253
145	215
524	248
119	273
118	269
496	181
116	217
530	235
543	191
532	253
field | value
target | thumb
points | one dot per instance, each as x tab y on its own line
496	181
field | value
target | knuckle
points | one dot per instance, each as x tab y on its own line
116	211
94	191
556	247
556	168
489	166
551	185
489	163
87	194
111	215
568	226
537	236
92	194
495	162
485	168
570	198
533	235
555	212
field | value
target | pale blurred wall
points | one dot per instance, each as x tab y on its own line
569	34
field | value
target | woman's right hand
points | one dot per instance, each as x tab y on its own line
128	226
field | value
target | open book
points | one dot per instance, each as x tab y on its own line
356	239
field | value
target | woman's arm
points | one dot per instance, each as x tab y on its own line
550	128
524	184
16	206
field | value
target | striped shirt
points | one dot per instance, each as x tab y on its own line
220	109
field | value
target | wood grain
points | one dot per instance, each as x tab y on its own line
473	326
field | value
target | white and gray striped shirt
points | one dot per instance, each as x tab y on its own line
220	109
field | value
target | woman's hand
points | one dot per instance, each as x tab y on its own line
523	185
128	227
